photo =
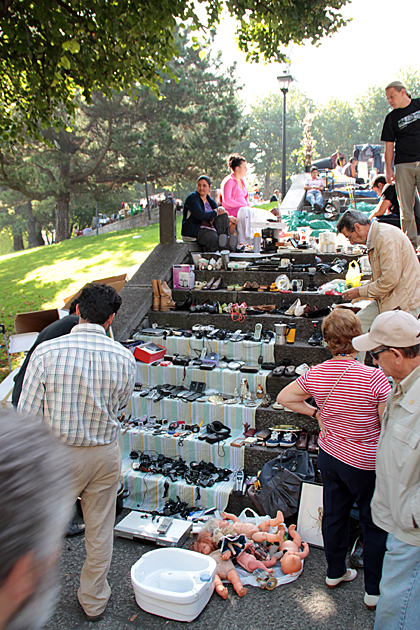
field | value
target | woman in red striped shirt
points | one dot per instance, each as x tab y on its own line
351	399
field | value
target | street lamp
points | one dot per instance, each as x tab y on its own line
140	144
284	81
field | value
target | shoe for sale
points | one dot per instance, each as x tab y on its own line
356	555
274	440
316	339
349	576
288	440
313	442
291	310
166	301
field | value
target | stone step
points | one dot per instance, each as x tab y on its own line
240	276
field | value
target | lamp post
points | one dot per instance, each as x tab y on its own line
140	144
284	81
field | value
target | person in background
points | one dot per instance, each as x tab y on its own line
388	208
394	343
77	384
341	161
35	502
350	421
350	170
203	221
395	268
275	196
401	131
313	186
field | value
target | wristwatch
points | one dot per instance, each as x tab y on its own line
313	415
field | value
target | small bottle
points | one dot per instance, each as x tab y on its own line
257	243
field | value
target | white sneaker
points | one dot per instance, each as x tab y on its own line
371	601
349	576
277	405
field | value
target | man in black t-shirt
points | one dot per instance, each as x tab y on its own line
401	131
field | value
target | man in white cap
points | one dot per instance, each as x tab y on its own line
394	343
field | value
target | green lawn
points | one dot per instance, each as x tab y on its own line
42	278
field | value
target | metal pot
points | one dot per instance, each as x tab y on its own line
119	505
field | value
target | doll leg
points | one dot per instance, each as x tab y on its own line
219	588
271	522
262	537
295	536
234	579
250	563
230	517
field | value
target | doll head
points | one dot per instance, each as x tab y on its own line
290	563
204	543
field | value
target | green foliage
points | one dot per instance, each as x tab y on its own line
50	51
43	277
185	132
336	127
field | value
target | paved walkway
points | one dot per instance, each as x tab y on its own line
306	604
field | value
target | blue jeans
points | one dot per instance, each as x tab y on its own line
315	196
343	486
399	604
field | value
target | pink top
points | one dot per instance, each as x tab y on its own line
233	196
350	415
314	182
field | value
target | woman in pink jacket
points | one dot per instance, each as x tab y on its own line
233	189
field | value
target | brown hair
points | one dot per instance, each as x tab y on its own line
339	328
235	160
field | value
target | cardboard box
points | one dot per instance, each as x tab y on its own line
28	325
114	281
183	276
149	352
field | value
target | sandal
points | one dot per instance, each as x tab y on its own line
290	371
279	371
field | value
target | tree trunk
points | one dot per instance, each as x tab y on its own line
17	240
32	227
62	209
62	217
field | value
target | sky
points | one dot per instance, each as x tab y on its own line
382	37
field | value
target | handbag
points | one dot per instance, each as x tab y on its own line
279	481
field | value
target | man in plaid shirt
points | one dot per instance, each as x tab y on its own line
77	384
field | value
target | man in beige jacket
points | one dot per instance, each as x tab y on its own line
394	342
395	267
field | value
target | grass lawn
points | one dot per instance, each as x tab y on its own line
43	277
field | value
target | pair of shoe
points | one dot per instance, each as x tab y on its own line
295	309
214	284
228	242
313	442
162	296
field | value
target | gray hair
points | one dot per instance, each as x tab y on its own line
350	218
34	501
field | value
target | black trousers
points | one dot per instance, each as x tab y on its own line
345	485
209	239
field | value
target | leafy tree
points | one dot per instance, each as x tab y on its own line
263	143
336	127
50	50
184	133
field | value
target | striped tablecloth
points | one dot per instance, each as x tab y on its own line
248	351
224	381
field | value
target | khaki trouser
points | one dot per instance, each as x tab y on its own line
367	316
407	179
97	471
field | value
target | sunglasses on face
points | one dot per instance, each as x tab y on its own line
375	353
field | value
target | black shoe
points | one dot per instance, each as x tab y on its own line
356	556
316	339
75	529
317	208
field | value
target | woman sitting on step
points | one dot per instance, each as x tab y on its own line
203	221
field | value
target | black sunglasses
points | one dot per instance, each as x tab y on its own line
375	353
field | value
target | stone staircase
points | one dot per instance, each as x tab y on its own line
295	354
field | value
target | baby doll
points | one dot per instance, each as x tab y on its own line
257	533
225	569
289	554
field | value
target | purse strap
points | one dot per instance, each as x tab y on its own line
334	386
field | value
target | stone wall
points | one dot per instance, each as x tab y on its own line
138	220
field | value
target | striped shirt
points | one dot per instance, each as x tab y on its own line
78	383
350	415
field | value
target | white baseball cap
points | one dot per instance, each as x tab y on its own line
395	329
